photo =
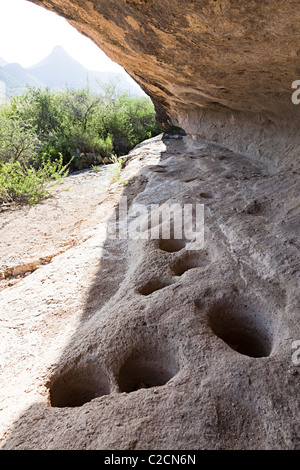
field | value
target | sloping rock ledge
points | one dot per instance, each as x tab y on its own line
143	344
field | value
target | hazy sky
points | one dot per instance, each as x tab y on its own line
28	33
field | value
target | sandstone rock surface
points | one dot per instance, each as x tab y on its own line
143	344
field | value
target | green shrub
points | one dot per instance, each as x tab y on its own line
26	184
42	132
55	122
116	167
18	141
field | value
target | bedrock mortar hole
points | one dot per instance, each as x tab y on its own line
172	245
152	286
78	386
189	261
242	328
206	195
146	370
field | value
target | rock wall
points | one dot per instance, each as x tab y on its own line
222	69
145	344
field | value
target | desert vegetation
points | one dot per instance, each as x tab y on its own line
45	134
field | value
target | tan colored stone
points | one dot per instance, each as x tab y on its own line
126	344
93	358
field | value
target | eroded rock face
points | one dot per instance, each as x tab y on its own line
220	69
146	344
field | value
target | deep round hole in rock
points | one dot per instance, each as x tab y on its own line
142	370
78	386
190	260
171	245
242	329
153	285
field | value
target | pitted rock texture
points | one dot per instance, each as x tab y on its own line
144	344
219	69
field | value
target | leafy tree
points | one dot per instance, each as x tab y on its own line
78	128
18	141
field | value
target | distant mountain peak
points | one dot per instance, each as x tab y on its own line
58	50
57	58
59	70
14	66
